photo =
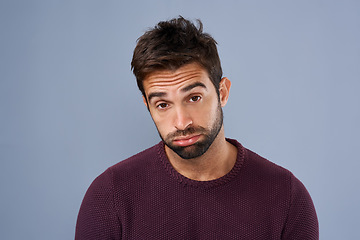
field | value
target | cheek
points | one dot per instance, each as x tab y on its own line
162	125
208	113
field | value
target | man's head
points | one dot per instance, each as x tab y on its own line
179	74
172	44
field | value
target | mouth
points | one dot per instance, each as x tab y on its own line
186	141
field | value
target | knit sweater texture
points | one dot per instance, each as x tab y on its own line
144	197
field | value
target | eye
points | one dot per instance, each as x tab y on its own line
195	98
162	105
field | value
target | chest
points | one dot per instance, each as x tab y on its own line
195	213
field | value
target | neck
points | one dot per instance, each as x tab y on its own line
216	162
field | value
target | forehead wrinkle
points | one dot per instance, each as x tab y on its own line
172	78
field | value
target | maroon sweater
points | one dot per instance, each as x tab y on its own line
143	197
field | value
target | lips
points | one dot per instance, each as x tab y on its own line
186	141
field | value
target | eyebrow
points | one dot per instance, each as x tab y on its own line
156	94
194	85
185	89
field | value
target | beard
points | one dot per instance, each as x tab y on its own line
200	147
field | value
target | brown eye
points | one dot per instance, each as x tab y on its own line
194	98
162	105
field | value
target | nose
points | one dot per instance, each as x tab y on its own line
182	118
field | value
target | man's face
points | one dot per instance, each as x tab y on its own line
185	108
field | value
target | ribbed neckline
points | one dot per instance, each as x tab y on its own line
204	184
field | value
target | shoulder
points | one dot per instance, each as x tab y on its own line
257	167
137	161
130	168
263	165
135	171
264	168
125	173
280	183
268	175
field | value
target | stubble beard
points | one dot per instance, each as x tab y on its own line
200	147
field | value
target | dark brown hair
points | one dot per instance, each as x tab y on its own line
172	44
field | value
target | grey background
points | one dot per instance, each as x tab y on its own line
70	108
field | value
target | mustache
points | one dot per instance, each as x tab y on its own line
185	132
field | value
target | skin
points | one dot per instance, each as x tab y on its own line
186	99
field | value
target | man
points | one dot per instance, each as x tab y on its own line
194	184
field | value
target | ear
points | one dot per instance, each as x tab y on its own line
224	90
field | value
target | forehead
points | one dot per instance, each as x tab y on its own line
167	79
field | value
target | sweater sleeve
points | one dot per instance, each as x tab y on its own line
97	218
302	221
